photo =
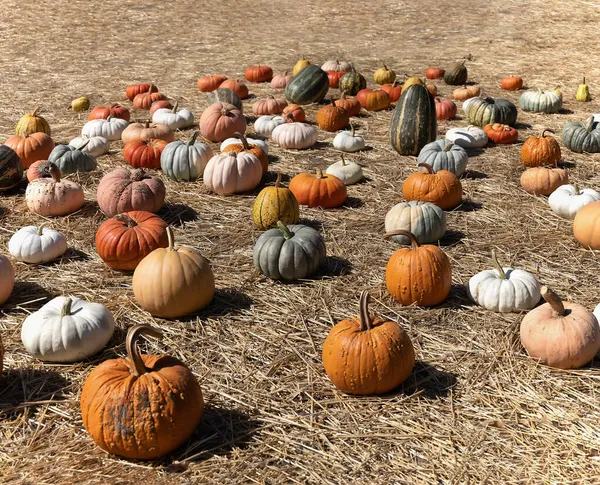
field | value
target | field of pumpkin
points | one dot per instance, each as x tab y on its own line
299	263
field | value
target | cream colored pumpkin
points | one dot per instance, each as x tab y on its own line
173	118
426	221
37	245
299	136
265	125
7	283
232	173
110	128
566	200
53	196
348	141
469	137
95	146
348	172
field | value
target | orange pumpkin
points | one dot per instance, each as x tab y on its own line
38	169
221	121
134	89
269	106
258	74
144	152
434	73
501	134
542	150
512	83
332	117
586	227
334	78
237	87
543	180
394	90
445	109
115	111
160	104
466	92
373	99
442	188
207	84
145	100
296	111
320	190
351	105
432	88
31	148
244	146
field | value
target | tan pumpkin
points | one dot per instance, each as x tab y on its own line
51	196
7	283
269	106
147	131
466	92
543	180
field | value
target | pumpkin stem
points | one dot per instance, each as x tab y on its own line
36	111
343	95
319	173
499	267
224	111
284	229
427	166
343	160
84	144
290	116
54	171
448	146
150	88
589	123
545	130
26	134
278	181
66	309
147	124
243	140
583	80
126	219
365	318
171	239
413	240
40	229
554	301
174	110
351	130
137	174
132	351
193	138
333	102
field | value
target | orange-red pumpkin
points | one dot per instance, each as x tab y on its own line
373	99
334	78
351	105
501	134
542	150
134	89
160	104
512	83
221	121
115	111
144	152
442	188
207	84
296	111
394	90
145	100
237	87
318	190
31	148
434	73
38	169
445	109
258	74
244	146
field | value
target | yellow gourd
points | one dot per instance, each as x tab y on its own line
583	92
300	64
384	75
410	81
80	104
32	123
275	204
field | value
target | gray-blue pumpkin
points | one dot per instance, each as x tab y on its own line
70	159
185	161
582	136
444	155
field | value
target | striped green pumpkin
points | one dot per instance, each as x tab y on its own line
414	122
483	111
310	85
352	82
11	168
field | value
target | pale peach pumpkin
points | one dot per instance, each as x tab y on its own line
51	196
221	121
232	173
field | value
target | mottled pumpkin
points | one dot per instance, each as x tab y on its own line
32	123
352	82
51	196
274	204
441	188
383	75
319	190
542	150
332	117
456	75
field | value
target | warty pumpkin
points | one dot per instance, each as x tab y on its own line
37	245
542	150
456	75
32	123
134	89
52	196
351	105
424	220
586	224
501	134
31	148
258	74
543	180
319	190
310	85
207	84
583	92
232	173
237	87
244	147
269	106
115	110
383	75
7	283
394	90
144	153
352	82
185	160
147	131
274	204
511	83
441	188
332	117
221	121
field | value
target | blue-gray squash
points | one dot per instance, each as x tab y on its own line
444	155
70	159
185	160
310	85
224	95
582	136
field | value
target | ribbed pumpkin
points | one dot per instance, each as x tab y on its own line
145	100
420	275
269	106
501	134
367	355
434	73
319	190
71	159
582	136
258	74
134	89
442	188
207	84
237	87
32	123
352	82
31	148
144	153
293	112
244	146
225	96
457	75
511	83
543	180
309	86
410	81
232	173
334	78
539	151
351	105
485	111
445	109
185	160
7	282
142	407
383	75
586	225
444	155
115	110
221	121
274	204
466	92
332	117
280	81
160	104
147	131
51	196
539	101
413	123
125	239
373	99
394	90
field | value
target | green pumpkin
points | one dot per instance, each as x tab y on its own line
483	111
352	82
582	136
185	160
70	159
310	85
224	95
413	123
457	75
11	168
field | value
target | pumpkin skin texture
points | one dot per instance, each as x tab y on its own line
95	146
373	100
539	151
337	65
161	104
352	82
269	106
289	253
266	124
37	245
511	83
326	191
67	329
173	118
221	121
52	196
274	204
485	111
434	73
244	147
185	161
334	78
457	75
152	403
445	109
349	173
560	334
293	112
413	123
538	101
134	89
298	136
585	226
300	64
393	90
441	188
583	93
125	191
70	159
469	137
7	283
582	136
412	80
332	118
351	105
501	134
543	180
116	111
568	200
237	87
419	275
383	75
11	169
225	96
367	355
424	220
125	239
258	74
147	131
173	282
232	173
144	153
32	123
309	86
444	155
466	92
280	81
31	148
348	141
208	84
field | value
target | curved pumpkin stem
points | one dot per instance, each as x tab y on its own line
365	318
53	170
40	229
554	301
583	82
36	111
138	174
448	146
243	140
545	130
175	106
287	234
193	138
84	144
132	351
351	130
589	123
278	181
427	166
499	267
126	219
171	239
66	309
290	116
400	232
147	124
343	160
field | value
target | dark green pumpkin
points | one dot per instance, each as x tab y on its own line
413	123
352	82
484	111
224	95
11	168
457	75
310	85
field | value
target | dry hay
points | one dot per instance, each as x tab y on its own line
475	410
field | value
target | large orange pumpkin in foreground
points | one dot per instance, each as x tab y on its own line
318	190
542	150
141	407
31	148
441	188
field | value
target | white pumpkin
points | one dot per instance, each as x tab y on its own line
469	137
7	279
568	199
504	289
67	329
299	136
426	221
232	173
37	245
597	312
96	145
110	128
173	118
264	146
265	125
348	141
349	173
185	161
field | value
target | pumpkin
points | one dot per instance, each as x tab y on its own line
349	141
367	355
70	159
244	147
300	64
67	329
51	196
434	73
125	191
393	90
584	225
373	100
160	104
583	92
80	104
542	150
445	109
337	65
351	105
539	101
504	290
232	173
266	124
32	123
173	282
457	75
145	100
309	86
319	190
511	83
419	275
269	106
410	81
383	75
466	92
352	82
334	78
134	89
237	87
424	220
501	134
225	96
298	136
289	253
543	180
258	74
567	200
485	111
144	153
94	146
7	283
185	161
293	112
38	169
413	123
332	117
37	245
280	81
274	204
221	121
441	188
207	84
444	155
147	130
110	128
559	334
582	136
125	239
349	173
174	118
432	88
131	424
116	111
31	148
469	137
262	144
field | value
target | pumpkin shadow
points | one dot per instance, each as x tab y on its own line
353	202
333	266
227	301
320	145
474	152
273	159
468	206
429	381
89	209
452	238
565	111
73	254
177	214
27	296
474	175
564	164
18	189
317	225
458	298
523	126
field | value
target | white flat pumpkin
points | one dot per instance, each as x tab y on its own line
96	145
469	137
265	125
568	199
174	118
298	136
110	128
348	141
347	172
37	245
